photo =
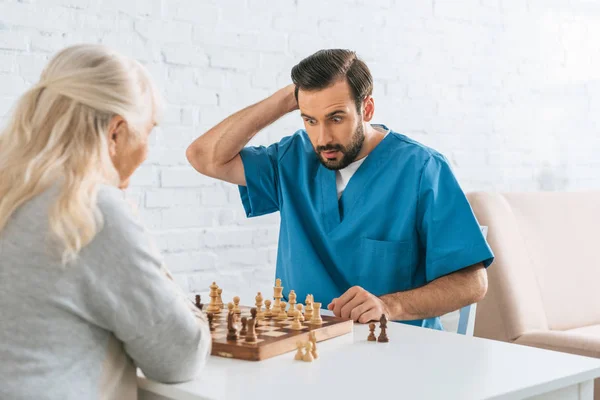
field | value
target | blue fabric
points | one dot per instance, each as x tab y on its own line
401	222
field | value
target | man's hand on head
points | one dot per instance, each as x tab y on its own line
290	98
359	305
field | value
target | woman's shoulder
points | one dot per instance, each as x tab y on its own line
121	224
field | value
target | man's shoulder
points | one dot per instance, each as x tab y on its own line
411	149
297	143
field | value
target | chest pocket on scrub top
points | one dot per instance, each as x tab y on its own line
385	266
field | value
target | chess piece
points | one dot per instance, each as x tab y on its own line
308	357
372	337
296	325
210	320
251	327
268	313
299	308
213	306
316	318
277	295
232	332
260	315
383	337
312	337
282	315
292	304
236	305
308	310
220	299
198	302
300	351
244	331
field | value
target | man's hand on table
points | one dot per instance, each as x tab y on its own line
359	305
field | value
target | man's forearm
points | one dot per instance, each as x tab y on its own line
224	141
443	295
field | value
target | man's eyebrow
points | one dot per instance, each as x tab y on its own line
331	114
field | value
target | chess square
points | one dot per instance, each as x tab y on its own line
274	334
219	336
267	328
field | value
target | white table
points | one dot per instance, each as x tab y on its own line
417	363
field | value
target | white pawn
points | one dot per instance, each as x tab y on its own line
296	325
260	315
312	337
268	313
236	305
282	316
299	308
300	351
308	357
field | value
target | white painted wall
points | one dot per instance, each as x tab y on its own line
508	89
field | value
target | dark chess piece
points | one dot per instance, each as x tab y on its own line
210	320
372	337
383	338
232	332
198	303
251	327
244	323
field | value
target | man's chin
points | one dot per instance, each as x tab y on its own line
333	165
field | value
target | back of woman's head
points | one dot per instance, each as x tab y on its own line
58	134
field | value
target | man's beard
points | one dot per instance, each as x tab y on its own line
349	152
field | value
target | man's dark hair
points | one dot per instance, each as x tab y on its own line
325	67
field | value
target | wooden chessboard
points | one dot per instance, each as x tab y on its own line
274	337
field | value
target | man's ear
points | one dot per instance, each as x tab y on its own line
368	108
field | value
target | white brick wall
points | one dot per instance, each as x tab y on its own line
508	89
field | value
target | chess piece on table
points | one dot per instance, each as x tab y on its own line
300	351
277	295
268	313
244	331
308	357
383	337
213	306
299	308
282	315
312	337
296	325
220	299
308	310
260	315
232	332
372	337
251	327
198	302
210	320
316	317
292	304
236	305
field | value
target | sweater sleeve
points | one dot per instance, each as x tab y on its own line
130	292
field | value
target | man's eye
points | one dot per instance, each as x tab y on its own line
336	119
311	121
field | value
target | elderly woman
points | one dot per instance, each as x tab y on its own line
84	297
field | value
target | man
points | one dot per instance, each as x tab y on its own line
372	222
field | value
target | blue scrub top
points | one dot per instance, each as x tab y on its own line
401	222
